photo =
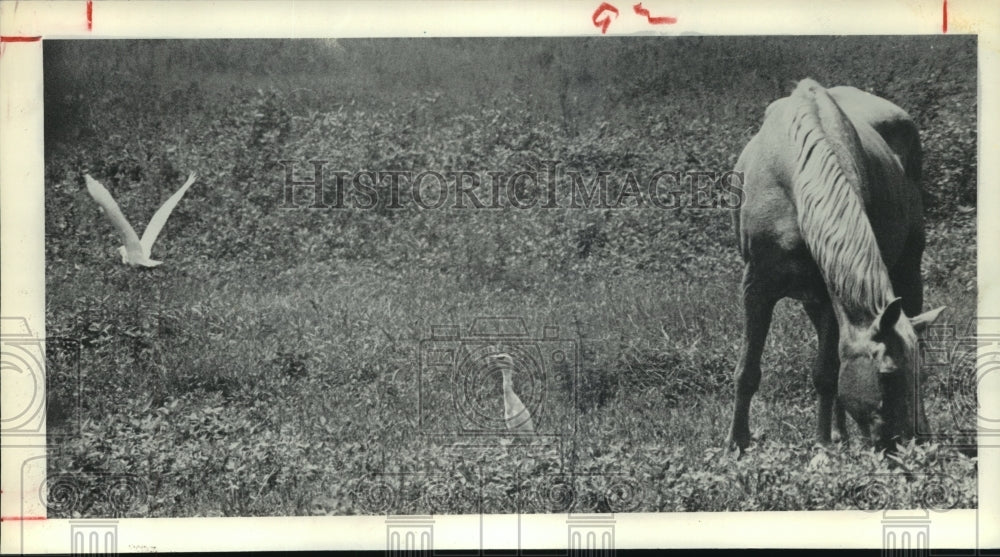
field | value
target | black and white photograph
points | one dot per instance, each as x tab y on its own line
508	276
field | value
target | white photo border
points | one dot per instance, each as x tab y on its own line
25	25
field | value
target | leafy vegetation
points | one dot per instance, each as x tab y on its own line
272	365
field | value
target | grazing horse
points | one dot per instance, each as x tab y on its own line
832	217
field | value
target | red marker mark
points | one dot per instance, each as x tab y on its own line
17	518
605	10
4	40
90	15
944	21
654	20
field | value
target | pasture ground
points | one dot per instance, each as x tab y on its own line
271	365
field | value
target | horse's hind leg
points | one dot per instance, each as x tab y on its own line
758	307
825	369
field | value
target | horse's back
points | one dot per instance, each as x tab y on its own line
890	122
767	223
892	145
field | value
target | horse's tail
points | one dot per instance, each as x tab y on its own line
829	188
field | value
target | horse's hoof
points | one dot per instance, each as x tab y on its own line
732	445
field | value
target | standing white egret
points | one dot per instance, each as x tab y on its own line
514	412
135	251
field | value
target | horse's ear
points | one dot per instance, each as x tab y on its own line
926	319
886	320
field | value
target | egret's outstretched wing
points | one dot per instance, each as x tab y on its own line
160	217
103	198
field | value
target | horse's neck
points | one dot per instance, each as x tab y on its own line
853	316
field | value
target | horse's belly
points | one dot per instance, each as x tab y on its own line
803	281
806	293
781	263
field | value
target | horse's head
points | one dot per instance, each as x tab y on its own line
878	382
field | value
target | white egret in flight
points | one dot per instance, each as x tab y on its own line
514	412
135	251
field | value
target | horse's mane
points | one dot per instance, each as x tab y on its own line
826	188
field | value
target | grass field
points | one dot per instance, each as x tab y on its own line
274	364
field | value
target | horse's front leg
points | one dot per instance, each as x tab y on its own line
758	308
825	369
840	434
